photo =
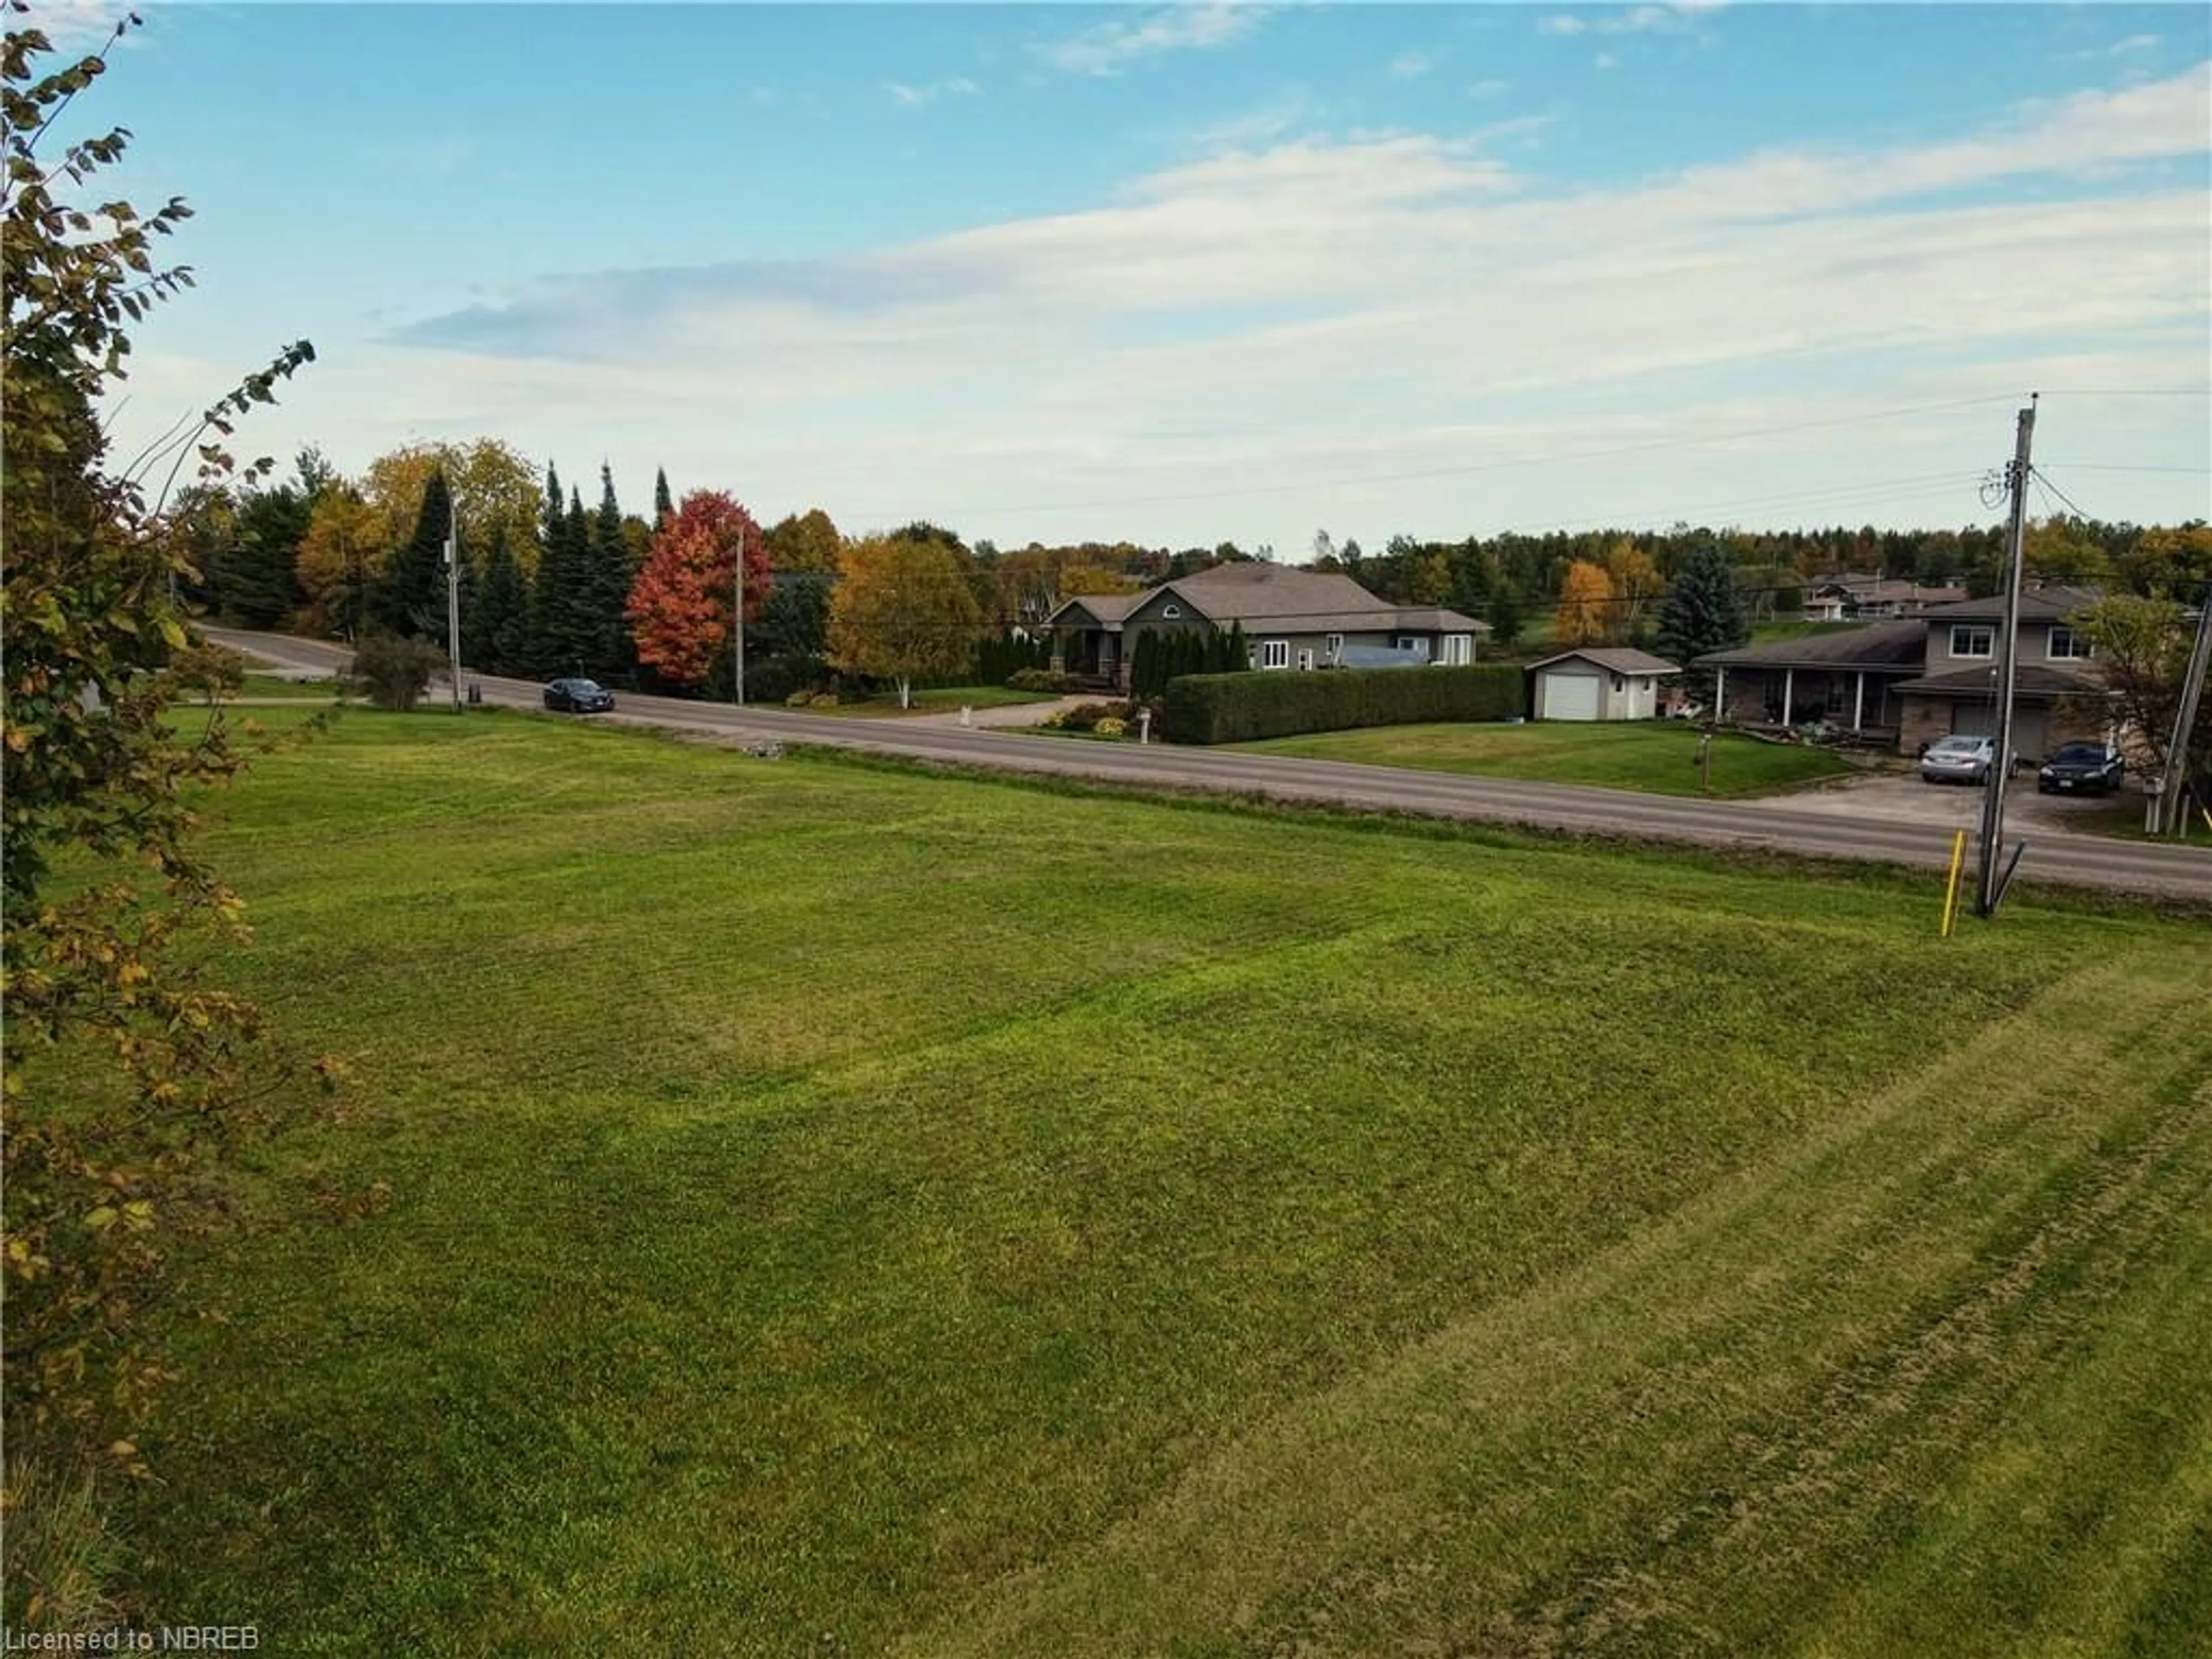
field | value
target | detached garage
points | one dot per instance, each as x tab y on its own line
1599	683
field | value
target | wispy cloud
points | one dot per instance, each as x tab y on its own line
1637	20
1605	60
2124	48
1409	65
1048	346
1491	88
1257	127
1109	48
78	26
912	97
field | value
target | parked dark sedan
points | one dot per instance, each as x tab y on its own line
578	697
2085	769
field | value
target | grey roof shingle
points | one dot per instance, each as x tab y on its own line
2029	680
1893	646
1618	659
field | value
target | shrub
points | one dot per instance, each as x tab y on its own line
1232	707
798	699
1043	679
395	673
1111	728
1085	716
824	700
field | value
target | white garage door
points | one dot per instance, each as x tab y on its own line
1569	697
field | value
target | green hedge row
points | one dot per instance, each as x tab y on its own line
1279	703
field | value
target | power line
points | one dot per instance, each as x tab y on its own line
1470	468
2130	466
2042	482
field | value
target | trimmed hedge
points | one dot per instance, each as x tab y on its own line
1279	703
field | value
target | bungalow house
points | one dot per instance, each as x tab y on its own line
1871	598
1291	618
1599	683
1912	682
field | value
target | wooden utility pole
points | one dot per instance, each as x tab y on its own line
453	596
2184	724
1988	879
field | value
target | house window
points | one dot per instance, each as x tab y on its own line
1619	686
1459	649
1973	640
1274	653
2067	646
1170	612
1336	647
1305	660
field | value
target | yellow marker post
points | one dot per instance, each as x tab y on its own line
1951	887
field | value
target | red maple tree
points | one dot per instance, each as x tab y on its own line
679	606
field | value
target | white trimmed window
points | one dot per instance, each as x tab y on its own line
1336	648
2067	646
1973	640
1274	653
1459	649
1170	612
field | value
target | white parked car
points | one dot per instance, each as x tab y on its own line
1959	760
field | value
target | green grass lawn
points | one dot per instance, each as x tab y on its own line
1792	628
1658	757
838	1210
938	700
261	686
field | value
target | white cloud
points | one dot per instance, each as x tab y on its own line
2133	43
912	97
1636	20
1109	48
1605	60
1241	328
1489	88
77	25
1410	65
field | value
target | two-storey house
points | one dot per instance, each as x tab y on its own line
1911	682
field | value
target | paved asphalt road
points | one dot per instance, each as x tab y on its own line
2179	872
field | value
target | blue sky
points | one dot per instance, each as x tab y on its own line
1184	274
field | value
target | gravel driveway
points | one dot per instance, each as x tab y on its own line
1904	799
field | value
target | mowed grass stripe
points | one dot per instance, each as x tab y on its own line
1664	1451
821	1191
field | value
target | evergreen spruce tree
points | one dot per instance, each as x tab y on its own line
1240	653
1506	617
1702	612
664	505
538	652
502	643
409	600
609	577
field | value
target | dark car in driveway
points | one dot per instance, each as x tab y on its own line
2081	768
578	696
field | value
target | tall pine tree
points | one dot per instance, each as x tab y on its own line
408	599
610	574
664	504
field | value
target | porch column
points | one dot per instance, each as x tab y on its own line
1858	703
1789	691
1720	691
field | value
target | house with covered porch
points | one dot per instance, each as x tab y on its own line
1291	618
1909	683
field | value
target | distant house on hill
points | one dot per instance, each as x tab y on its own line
1870	598
1292	618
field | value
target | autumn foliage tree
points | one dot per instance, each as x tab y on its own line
103	970
681	606
903	611
1585	612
